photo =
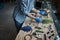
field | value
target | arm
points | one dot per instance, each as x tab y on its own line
35	10
30	15
24	9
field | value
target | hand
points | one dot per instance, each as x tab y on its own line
38	15
47	10
31	15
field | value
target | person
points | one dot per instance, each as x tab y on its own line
22	10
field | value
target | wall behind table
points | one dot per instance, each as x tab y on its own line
56	4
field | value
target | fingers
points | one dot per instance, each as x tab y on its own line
47	10
33	14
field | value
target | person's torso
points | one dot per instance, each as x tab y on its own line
18	14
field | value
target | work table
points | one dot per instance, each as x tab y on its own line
45	32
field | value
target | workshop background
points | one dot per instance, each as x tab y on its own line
7	26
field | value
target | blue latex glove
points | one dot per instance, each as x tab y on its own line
39	20
26	28
43	13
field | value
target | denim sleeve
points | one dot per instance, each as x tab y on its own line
26	5
32	4
24	8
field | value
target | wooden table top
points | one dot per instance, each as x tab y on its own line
46	33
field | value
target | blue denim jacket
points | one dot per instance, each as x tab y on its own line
23	7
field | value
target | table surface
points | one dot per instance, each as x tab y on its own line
44	27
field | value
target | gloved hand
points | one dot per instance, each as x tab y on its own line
39	20
43	13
